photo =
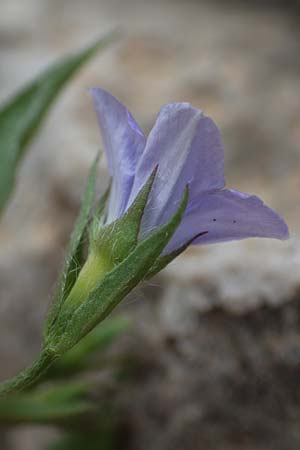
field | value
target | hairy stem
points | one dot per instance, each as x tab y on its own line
30	375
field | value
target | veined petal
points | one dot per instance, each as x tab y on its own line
228	215
123	142
187	147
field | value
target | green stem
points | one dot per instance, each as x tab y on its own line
29	376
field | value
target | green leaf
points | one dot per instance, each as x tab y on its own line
72	325
75	258
21	116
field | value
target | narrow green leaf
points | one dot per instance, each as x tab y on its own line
25	410
74	259
21	116
72	325
61	391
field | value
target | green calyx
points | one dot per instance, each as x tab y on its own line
117	261
109	245
82	312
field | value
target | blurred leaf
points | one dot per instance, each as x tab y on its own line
75	258
104	434
98	340
104	440
54	404
21	116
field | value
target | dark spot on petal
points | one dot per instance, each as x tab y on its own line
214	220
234	221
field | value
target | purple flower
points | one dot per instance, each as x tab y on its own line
187	148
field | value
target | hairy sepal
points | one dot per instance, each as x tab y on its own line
74	325
115	241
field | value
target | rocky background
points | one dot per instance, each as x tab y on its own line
218	333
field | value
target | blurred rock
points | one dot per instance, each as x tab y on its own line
230	382
219	335
221	368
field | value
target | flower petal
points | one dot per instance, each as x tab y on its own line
187	147
228	215
123	142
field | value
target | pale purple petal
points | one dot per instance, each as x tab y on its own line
228	215
187	147
123	143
